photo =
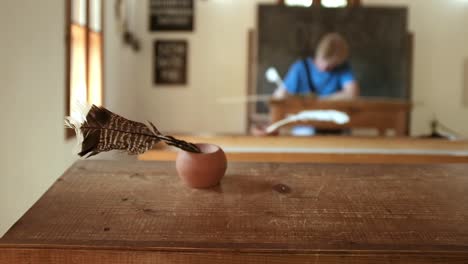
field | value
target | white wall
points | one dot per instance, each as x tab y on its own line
34	151
217	69
120	71
218	54
32	84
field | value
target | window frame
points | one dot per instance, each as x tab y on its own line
69	133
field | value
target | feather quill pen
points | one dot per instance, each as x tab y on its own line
99	130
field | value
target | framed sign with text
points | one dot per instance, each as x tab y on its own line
171	15
170	62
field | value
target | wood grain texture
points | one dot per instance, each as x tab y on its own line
379	114
80	256
327	149
140	212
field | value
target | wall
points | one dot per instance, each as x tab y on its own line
120	70
34	149
217	69
32	78
218	52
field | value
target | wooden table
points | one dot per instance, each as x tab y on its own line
381	114
327	149
139	212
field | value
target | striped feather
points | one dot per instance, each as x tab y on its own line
103	130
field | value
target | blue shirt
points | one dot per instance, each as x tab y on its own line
324	82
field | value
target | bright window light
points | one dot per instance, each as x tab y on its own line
305	3
334	3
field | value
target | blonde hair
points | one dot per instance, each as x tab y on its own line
333	48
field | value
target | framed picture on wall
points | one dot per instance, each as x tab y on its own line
170	62
171	15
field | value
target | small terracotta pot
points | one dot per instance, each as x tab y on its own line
202	170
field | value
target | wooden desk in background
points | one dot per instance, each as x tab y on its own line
327	149
116	212
378	114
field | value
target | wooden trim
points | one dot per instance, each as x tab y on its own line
69	133
104	256
249	78
87	38
409	85
102	53
251	75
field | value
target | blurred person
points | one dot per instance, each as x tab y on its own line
327	76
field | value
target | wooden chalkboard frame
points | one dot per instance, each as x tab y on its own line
343	15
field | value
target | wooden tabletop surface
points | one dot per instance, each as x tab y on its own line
140	212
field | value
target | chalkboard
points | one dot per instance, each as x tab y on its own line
171	15
377	36
170	62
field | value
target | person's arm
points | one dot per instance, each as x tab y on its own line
291	82
350	91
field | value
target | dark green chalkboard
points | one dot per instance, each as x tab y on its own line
377	36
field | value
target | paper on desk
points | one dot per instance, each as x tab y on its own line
334	116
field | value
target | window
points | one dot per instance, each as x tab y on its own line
84	54
305	3
334	3
324	3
